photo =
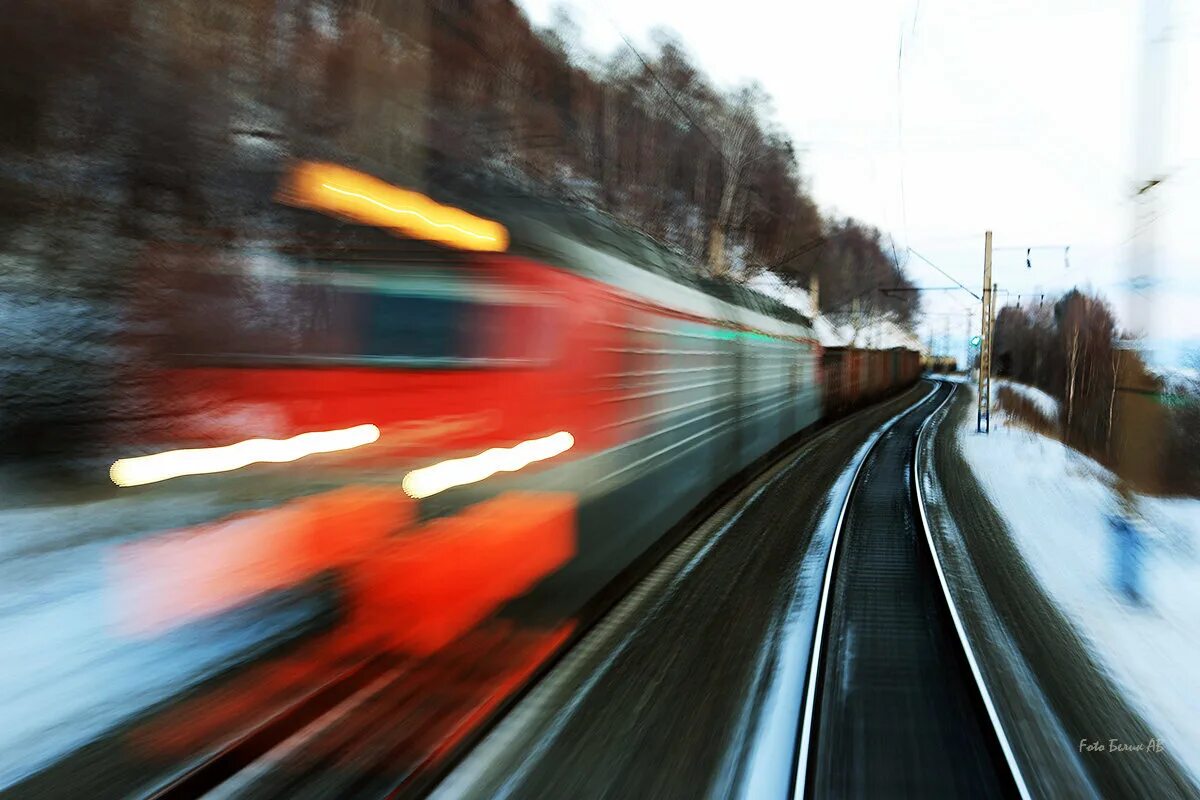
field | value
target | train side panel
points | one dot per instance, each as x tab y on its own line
664	405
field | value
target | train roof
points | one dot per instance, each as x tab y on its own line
565	233
554	229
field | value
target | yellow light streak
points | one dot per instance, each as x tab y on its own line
359	197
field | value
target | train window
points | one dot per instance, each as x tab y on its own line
399	326
466	329
224	317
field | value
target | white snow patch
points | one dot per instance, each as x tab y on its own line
1046	403
773	286
878	333
1055	502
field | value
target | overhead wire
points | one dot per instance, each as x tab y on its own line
691	120
947	274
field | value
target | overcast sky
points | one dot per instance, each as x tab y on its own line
936	120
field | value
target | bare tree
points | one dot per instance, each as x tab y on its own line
738	138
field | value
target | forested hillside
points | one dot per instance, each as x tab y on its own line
126	124
646	135
177	103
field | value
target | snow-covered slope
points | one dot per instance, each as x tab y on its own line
877	333
1046	403
1055	502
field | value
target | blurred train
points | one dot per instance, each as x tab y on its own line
486	405
943	365
527	349
857	375
376	434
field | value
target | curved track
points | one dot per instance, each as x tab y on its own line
895	704
693	685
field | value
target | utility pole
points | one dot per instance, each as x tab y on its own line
984	409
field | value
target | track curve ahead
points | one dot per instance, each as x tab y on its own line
895	705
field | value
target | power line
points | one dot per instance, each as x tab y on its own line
900	129
859	296
920	289
892	242
900	115
699	128
947	274
1033	247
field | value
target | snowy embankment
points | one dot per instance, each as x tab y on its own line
1045	403
67	673
1055	502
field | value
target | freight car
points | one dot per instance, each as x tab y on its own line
941	364
855	376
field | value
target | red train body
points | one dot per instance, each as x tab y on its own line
668	387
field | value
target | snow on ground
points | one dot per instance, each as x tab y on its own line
1046	403
1055	502
67	673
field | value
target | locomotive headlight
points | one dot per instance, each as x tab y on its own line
460	471
206	460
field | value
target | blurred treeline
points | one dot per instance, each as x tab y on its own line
646	135
128	123
161	112
1073	349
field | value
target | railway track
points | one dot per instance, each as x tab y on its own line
693	686
895	703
